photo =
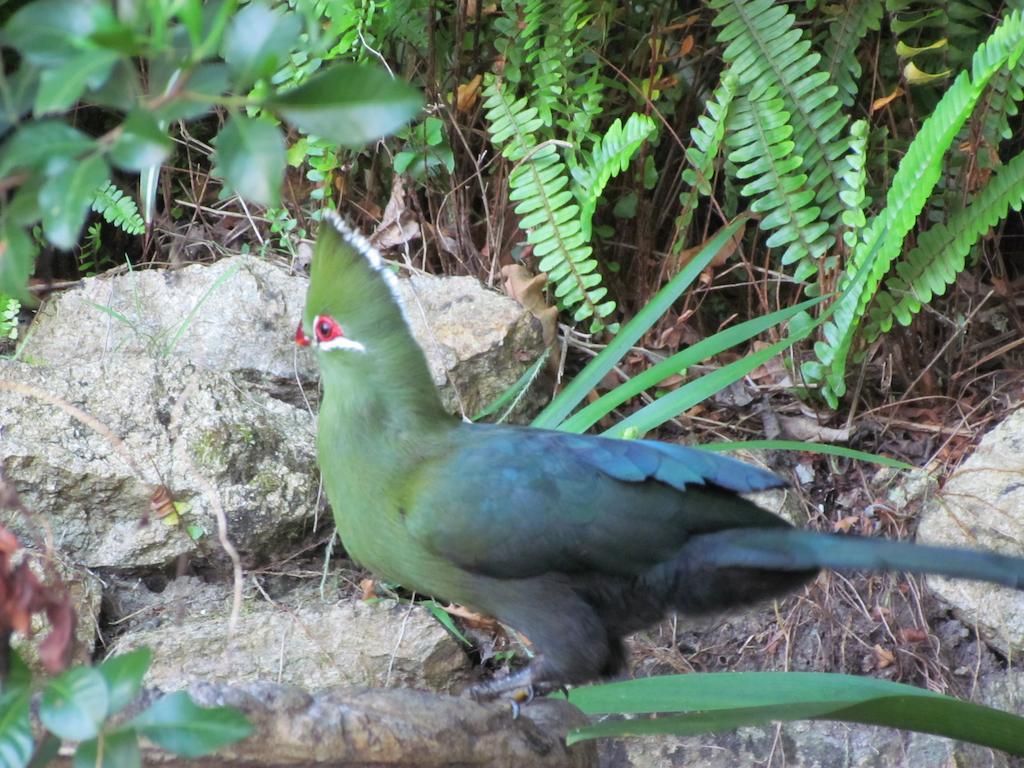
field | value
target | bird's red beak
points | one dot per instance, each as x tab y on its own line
300	336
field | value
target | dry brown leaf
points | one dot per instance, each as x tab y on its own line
466	95
885	658
368	589
22	594
472	618
528	289
884	100
398	225
912	635
808	430
845	524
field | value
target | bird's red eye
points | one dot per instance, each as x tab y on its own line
300	336
326	329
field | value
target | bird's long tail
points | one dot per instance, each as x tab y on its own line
792	549
716	571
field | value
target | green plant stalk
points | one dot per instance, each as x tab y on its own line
671	405
725	700
797	445
576	390
224	277
702	350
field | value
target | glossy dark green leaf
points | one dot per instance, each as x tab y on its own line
178	725
251	158
62	86
65	198
39	142
123	675
258	41
349	104
15	728
727	700
46	752
24	208
141	143
17	260
122	90
203	86
19	676
120	750
74	704
17	92
45	31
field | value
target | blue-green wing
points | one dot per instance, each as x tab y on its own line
509	501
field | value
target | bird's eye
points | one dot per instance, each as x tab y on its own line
326	329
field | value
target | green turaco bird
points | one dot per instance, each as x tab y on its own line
573	540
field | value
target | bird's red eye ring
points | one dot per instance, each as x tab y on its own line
300	336
326	329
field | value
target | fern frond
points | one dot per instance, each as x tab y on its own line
588	95
118	209
759	137
707	137
766	49
853	197
609	157
553	61
852	22
549	214
941	251
1005	92
913	182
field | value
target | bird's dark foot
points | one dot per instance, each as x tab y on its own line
520	688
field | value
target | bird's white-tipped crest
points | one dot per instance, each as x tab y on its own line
362	246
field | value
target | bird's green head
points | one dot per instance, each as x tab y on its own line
352	307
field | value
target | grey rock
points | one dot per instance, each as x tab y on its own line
982	506
353	727
231	445
239	314
477	342
801	745
298	639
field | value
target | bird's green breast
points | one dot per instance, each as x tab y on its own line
366	474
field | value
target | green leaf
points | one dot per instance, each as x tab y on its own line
796	445
141	143
45	31
727	700
349	104
46	752
43	142
206	83
123	675
258	42
17	260
695	353
75	703
17	92
178	725
120	750
558	409
15	728
65	199
251	158
61	87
